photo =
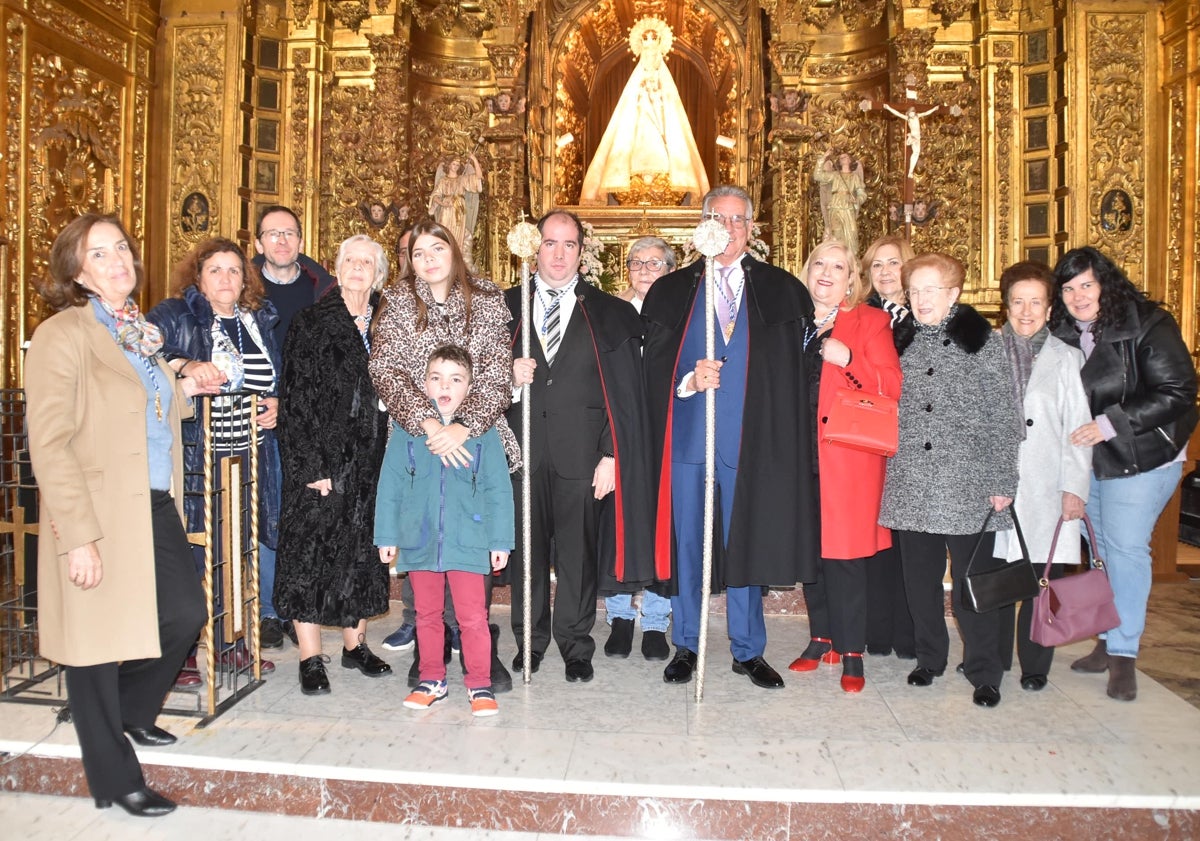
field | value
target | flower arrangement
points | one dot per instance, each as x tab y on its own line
758	249
595	264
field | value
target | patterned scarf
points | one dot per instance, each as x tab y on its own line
134	333
1021	352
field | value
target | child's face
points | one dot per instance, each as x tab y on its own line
447	383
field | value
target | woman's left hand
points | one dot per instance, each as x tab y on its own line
191	387
835	352
1072	506
325	486
1088	435
999	503
268	412
447	444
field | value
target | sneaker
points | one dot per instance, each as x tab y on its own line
483	702
402	638
427	693
455	639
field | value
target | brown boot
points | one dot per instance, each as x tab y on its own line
1122	678
1094	663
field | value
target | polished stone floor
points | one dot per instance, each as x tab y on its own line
629	756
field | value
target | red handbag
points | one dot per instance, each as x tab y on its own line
864	421
1075	607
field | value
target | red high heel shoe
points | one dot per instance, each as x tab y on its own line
852	672
820	650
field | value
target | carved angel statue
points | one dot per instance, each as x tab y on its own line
842	194
454	202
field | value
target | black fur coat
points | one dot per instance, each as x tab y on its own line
330	427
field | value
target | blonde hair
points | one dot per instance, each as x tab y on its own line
857	289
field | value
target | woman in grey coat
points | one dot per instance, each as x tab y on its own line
957	459
1055	474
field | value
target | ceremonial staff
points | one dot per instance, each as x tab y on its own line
710	240
524	239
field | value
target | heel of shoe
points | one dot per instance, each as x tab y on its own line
819	650
852	672
101	803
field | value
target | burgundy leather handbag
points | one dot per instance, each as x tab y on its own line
1074	607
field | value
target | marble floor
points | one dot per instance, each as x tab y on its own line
631	757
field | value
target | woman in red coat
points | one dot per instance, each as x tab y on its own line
852	347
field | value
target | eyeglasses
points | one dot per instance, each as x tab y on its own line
737	221
653	264
277	235
927	292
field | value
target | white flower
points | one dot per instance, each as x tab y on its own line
524	239
710	238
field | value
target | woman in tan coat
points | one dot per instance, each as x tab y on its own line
119	603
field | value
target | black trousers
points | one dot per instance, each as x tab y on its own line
837	604
106	697
889	624
1034	659
565	515
923	559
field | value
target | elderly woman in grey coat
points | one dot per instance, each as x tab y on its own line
1055	474
957	459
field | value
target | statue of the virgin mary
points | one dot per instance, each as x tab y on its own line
649	135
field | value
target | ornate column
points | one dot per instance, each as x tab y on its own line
506	182
1000	176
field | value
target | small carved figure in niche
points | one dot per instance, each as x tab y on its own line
1116	214
376	213
791	103
895	212
454	202
842	194
505	104
193	217
924	211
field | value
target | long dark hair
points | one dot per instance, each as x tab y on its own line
460	275
1116	289
187	272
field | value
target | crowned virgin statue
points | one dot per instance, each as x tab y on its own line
648	138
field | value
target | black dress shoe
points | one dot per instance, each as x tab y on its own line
620	639
654	645
289	628
879	650
501	679
143	803
921	676
150	737
986	696
360	657
535	662
579	671
313	680
680	669
270	633
1034	683
759	672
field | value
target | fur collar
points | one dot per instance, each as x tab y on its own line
966	328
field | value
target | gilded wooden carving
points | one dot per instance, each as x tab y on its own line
1002	111
80	30
1116	145
299	118
198	92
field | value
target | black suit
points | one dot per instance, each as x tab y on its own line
571	429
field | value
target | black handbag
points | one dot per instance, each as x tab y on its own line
1007	584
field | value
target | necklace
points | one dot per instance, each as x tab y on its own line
152	371
811	333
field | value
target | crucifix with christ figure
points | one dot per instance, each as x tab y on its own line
912	112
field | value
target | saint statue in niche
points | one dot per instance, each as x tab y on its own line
454	203
842	194
648	136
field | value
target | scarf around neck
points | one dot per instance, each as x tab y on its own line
133	332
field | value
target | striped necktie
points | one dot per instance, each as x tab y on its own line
550	331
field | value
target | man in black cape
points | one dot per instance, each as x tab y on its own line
589	438
766	527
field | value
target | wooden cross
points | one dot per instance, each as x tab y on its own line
912	112
19	529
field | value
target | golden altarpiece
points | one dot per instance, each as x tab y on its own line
1073	121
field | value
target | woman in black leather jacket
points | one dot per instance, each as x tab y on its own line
1141	388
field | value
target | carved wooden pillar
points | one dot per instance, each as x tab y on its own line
506	184
204	163
302	101
1000	176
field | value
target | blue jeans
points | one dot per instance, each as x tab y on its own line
656	610
266	582
1123	512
